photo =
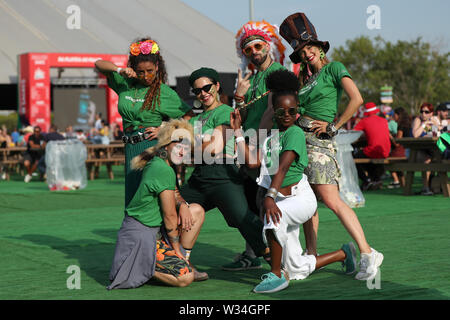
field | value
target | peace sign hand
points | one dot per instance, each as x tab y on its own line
243	83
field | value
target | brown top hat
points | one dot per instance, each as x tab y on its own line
298	31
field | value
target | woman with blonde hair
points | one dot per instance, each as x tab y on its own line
156	228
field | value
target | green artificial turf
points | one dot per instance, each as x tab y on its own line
42	233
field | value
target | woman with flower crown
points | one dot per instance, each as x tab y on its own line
144	101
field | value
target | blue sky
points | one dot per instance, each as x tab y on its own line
340	20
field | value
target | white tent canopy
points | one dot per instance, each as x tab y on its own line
188	40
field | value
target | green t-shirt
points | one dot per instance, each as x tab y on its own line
211	119
145	205
293	139
320	98
256	110
131	97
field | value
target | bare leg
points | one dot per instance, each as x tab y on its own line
188	238
276	253
395	177
182	281
329	258
310	228
330	196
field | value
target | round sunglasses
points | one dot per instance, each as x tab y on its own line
205	88
425	111
249	49
280	112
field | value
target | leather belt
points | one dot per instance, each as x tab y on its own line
131	128
141	136
305	125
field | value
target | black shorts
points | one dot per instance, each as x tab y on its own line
32	156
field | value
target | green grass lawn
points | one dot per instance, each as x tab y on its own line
42	233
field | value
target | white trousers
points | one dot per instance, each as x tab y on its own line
295	209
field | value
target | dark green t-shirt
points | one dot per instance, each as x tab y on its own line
131	97
258	86
293	139
210	120
145	205
320	98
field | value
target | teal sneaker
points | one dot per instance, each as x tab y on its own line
243	262
349	264
271	283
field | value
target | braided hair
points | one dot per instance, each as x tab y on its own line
153	95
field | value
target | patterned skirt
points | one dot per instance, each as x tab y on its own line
323	167
168	262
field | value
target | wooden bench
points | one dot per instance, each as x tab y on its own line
11	159
97	155
109	155
386	161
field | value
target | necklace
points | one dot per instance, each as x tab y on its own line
255	84
313	77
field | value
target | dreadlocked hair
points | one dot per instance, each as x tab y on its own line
153	95
282	83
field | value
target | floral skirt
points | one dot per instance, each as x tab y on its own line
167	261
323	167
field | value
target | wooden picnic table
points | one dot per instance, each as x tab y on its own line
97	154
414	163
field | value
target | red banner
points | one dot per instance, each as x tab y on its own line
34	83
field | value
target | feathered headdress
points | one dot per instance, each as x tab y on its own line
264	31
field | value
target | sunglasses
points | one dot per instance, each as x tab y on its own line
280	112
249	49
206	88
425	111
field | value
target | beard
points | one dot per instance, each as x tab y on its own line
258	63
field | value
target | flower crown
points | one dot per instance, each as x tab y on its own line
144	47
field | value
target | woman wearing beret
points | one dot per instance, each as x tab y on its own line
144	101
215	181
321	86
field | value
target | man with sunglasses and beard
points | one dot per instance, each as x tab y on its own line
261	51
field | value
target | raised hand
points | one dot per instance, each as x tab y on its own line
243	83
128	73
235	120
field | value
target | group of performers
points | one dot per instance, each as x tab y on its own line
264	187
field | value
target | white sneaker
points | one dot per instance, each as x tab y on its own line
369	264
27	178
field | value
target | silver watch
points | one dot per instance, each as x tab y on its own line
331	129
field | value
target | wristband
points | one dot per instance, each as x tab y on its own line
239	139
118	70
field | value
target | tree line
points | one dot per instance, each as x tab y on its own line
416	70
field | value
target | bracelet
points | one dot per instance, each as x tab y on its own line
237	97
272	192
239	139
180	203
174	239
118	70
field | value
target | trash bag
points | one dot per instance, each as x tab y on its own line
348	182
66	165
